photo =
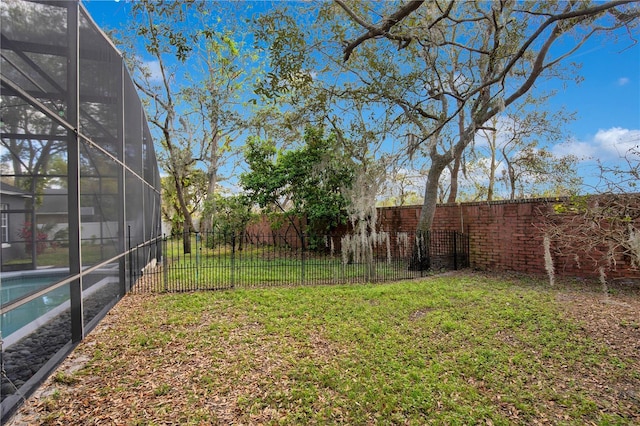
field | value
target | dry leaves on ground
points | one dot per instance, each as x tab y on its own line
180	383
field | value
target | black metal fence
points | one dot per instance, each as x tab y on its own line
224	261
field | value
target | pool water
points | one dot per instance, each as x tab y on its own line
16	287
25	319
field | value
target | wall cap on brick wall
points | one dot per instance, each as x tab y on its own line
498	202
485	203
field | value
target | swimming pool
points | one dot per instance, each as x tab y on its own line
23	320
16	286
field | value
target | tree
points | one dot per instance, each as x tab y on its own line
193	75
232	214
30	147
461	64
194	185
312	88
537	172
510	143
303	182
601	230
401	188
167	39
224	67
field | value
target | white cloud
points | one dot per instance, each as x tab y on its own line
153	68
609	144
623	81
579	149
616	142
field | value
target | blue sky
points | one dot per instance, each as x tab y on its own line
606	102
609	95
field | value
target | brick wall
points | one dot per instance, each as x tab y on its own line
503	235
285	234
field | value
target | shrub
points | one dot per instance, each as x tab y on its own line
26	233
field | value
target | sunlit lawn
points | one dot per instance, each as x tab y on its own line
460	349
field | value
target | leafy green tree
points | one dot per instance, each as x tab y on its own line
232	214
315	88
229	220
193	70
303	182
222	69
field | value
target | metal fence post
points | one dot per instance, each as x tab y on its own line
233	255
131	283
468	248
302	258
198	249
165	263
455	250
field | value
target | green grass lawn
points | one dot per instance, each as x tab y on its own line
262	266
207	273
457	349
59	256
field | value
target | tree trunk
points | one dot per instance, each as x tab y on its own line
438	163
210	200
188	223
492	175
453	190
512	182
431	194
186	238
458	152
177	173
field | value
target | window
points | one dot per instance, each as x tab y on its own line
4	223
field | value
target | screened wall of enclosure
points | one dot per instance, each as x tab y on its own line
78	172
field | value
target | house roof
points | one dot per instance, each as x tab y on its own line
6	189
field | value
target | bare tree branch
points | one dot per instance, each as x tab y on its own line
381	29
